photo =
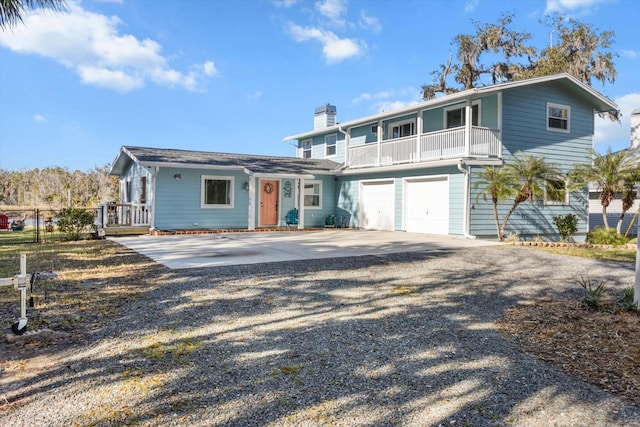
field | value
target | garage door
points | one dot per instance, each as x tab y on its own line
377	200
427	205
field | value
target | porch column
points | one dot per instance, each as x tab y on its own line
379	142
152	195
418	136
300	198
252	204
468	113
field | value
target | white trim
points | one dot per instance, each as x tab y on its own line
231	180
565	202
399	124
302	149
568	118
462	106
335	145
424	178
320	189
384	181
607	104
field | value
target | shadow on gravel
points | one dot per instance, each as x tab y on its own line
403	339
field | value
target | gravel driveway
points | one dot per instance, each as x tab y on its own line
403	339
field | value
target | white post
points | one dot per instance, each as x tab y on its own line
636	288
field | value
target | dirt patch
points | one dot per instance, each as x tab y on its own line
601	347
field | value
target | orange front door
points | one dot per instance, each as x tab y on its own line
269	203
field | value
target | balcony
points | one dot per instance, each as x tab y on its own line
439	145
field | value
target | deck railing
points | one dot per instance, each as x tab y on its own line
126	215
439	145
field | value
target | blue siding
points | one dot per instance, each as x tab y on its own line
524	129
348	203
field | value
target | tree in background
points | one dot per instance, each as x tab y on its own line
52	187
12	11
581	51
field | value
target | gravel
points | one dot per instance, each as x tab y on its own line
405	339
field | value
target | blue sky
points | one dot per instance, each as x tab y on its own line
239	75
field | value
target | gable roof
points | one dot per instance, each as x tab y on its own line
249	163
600	102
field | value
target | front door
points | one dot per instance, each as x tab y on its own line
268	203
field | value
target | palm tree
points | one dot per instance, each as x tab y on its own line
533	176
498	184
612	173
11	11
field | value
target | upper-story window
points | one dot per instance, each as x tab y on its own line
400	129
456	116
306	149
330	145
558	117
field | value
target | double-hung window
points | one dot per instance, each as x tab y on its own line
313	194
306	149
558	117
216	191
330	145
456	116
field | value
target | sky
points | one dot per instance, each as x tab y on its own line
238	76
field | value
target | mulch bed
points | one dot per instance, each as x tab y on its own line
601	347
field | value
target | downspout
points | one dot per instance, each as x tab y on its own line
467	196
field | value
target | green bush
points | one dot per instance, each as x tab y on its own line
627	300
567	225
593	292
606	236
75	222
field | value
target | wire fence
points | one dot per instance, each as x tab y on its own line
31	226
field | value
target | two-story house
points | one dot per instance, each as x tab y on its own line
412	169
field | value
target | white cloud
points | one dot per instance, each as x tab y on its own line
388	100
570	5
39	118
470	5
370	22
334	49
91	45
254	96
332	9
617	134
631	54
284	3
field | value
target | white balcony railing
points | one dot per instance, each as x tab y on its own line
439	145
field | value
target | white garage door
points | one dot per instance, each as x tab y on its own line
427	205
377	200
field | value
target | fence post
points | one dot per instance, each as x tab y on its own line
37	214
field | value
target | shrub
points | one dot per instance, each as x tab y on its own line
567	225
594	291
627	300
74	222
606	236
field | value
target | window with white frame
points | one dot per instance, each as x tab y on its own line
306	149
456	116
313	194
216	191
330	145
400	129
556	192
558	117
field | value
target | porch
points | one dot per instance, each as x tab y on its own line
124	218
431	146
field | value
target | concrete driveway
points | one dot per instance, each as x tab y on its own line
215	250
